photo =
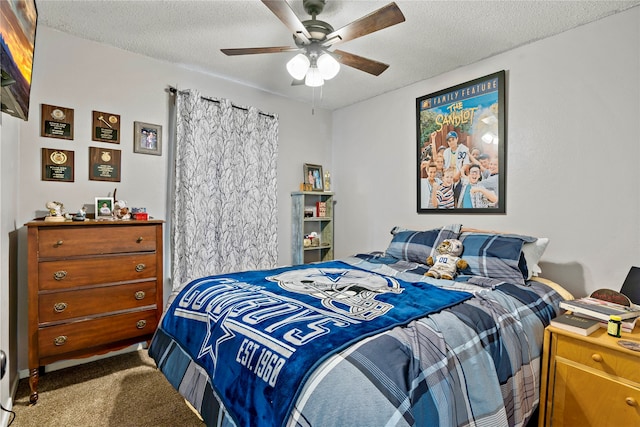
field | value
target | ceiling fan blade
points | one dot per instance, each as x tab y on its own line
284	12
382	18
361	63
254	50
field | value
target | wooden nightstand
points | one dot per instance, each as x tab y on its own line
589	381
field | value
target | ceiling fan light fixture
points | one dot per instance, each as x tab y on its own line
298	66
313	78
328	66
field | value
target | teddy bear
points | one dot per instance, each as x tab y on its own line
447	262
121	210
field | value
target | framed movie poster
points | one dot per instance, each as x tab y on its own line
461	148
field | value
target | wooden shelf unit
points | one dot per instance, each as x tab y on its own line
302	226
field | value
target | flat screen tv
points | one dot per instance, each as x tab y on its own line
17	40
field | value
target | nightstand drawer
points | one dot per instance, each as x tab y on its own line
57	340
102	269
598	357
601	400
57	306
60	242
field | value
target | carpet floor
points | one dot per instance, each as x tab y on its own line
124	390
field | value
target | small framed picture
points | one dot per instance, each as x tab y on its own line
147	138
313	177
104	207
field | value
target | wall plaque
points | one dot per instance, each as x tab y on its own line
57	165
104	164
56	122
106	127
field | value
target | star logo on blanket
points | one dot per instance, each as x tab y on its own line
217	333
348	292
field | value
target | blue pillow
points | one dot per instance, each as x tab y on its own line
496	256
417	246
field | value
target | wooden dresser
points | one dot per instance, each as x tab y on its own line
94	287
589	381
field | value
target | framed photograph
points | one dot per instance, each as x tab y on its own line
147	138
313	177
462	148
104	207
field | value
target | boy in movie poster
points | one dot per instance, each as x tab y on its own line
461	148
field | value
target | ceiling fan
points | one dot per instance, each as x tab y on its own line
316	63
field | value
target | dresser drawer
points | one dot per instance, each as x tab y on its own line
598	357
68	241
57	306
82	335
101	269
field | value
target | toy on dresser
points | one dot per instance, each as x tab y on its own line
447	261
56	212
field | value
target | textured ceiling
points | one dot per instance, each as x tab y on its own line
437	36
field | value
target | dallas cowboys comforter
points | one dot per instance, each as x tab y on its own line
364	341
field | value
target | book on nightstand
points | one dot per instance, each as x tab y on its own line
626	325
600	309
576	324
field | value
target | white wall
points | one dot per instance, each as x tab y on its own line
573	105
9	143
86	76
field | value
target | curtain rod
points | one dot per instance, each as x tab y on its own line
174	90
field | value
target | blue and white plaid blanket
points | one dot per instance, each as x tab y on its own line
474	363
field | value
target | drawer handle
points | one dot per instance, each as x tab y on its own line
141	324
139	239
61	340
59	275
58	243
140	295
631	401
596	357
140	267
59	307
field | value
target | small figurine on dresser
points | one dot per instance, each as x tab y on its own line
56	212
81	215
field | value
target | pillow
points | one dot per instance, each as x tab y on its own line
417	246
493	255
532	253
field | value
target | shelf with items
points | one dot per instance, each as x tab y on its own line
311	233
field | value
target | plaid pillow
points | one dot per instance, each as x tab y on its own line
496	256
417	246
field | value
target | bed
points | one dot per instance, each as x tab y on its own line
367	340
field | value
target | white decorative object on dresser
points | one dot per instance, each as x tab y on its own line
94	287
308	223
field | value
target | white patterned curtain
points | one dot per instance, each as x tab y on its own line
224	214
